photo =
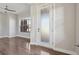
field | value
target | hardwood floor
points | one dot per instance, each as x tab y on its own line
39	50
19	46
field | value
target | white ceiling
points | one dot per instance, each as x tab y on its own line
19	7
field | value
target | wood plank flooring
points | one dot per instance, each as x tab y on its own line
19	46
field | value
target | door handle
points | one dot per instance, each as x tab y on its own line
38	29
77	45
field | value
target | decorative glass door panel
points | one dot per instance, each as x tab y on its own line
44	17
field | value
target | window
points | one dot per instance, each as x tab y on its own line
25	25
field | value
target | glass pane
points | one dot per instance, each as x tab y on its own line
45	25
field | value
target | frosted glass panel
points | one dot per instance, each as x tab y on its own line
45	25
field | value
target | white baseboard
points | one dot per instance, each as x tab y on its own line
10	36
22	36
3	36
7	36
65	51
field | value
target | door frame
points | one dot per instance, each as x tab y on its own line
51	34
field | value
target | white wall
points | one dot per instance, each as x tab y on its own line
7	25
65	26
12	24
22	15
4	25
77	28
34	24
0	25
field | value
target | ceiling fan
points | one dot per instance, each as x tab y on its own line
7	9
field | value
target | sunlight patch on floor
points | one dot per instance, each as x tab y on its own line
44	53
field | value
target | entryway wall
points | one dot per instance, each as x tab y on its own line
65	34
65	27
77	29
